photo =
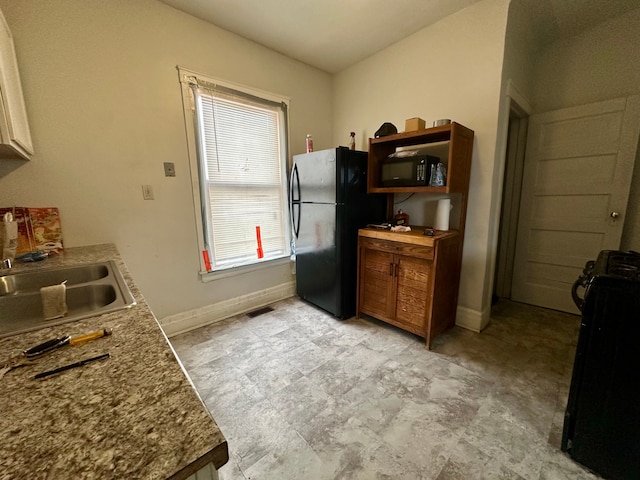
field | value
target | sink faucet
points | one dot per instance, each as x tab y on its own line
6	264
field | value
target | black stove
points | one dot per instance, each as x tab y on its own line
602	419
617	266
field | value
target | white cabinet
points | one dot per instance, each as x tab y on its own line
15	137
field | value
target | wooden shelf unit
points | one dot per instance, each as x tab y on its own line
458	161
407	279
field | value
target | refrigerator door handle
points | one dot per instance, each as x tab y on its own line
294	186
295	219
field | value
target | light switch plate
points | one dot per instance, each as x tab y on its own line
169	169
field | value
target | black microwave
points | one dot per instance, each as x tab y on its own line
409	171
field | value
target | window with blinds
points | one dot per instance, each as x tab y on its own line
242	174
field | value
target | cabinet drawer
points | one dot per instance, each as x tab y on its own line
400	248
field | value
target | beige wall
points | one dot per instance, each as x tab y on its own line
105	109
600	64
451	69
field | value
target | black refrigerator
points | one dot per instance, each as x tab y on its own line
328	203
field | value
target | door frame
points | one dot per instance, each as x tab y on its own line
512	188
516	111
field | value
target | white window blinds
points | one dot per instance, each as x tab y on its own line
242	153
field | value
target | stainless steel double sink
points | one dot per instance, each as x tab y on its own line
92	289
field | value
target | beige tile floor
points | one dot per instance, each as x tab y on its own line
301	395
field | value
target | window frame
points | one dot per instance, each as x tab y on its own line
189	79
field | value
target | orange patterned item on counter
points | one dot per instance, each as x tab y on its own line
38	229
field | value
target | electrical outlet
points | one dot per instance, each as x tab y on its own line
169	169
147	192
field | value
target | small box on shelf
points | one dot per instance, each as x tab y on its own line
413	124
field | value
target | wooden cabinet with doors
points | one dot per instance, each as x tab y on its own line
408	279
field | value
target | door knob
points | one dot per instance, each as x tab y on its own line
614	215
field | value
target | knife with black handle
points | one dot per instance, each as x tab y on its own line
62	341
46	347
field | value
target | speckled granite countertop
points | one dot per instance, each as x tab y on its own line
135	415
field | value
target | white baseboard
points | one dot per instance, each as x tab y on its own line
473	320
185	321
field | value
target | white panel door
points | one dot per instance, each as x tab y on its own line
577	175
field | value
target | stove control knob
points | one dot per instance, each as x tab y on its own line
588	268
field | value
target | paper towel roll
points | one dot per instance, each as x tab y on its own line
442	214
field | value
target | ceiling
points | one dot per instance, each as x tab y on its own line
333	34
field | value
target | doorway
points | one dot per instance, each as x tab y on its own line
512	187
565	199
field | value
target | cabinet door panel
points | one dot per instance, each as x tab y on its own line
413	293
376	283
15	136
413	272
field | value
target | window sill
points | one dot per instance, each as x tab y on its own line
233	271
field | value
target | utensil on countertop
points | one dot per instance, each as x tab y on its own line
67	340
71	365
10	366
33	256
25	357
